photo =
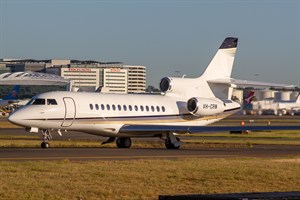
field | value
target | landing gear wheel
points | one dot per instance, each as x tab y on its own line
123	142
170	145
46	137
45	145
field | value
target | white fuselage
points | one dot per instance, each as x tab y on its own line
105	114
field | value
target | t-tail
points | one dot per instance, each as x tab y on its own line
220	66
207	85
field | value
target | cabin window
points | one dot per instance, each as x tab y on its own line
39	102
152	108
142	108
51	102
113	107
108	107
163	109
147	108
124	107
130	107
102	107
119	107
157	108
91	106
136	108
97	107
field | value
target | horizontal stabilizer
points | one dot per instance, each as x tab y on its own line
231	81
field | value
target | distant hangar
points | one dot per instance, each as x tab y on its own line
32	78
32	83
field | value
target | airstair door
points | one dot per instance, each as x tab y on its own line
70	112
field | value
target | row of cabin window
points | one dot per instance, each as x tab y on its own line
130	108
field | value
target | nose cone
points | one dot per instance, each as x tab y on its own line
15	118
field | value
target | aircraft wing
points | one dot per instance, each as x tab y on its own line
246	83
199	129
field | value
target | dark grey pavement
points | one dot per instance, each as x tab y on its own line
259	151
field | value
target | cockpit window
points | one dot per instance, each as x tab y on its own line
38	102
51	102
30	102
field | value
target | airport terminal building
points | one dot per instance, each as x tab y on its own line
111	77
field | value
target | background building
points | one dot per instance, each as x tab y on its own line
32	83
110	77
136	78
115	80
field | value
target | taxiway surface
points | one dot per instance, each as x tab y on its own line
80	154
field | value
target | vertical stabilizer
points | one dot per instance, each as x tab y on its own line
13	94
220	66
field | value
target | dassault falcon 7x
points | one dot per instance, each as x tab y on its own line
187	105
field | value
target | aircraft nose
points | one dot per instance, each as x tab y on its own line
15	118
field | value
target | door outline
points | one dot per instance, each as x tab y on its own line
70	112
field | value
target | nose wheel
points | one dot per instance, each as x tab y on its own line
46	137
44	145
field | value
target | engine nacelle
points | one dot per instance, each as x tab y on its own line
176	85
205	106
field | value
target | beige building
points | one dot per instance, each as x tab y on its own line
115	80
136	78
82	77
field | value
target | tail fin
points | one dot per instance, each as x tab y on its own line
221	65
13	94
248	97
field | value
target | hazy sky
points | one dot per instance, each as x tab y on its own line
166	36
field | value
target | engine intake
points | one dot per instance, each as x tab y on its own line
204	106
165	84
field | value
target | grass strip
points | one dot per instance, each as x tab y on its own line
145	179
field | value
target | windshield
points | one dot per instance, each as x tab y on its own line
51	102
38	101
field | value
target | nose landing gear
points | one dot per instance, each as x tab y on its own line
46	137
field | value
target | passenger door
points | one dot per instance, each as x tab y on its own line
70	112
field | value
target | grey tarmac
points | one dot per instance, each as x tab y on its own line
84	154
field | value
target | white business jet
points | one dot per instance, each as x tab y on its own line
187	106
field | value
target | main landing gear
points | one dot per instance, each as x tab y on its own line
123	142
172	142
46	137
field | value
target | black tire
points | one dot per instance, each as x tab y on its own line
123	142
169	145
44	145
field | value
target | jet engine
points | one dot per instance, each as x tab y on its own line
176	85
205	106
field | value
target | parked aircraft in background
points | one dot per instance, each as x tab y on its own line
9	99
247	102
277	107
187	106
248	97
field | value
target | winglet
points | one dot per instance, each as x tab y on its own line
229	43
